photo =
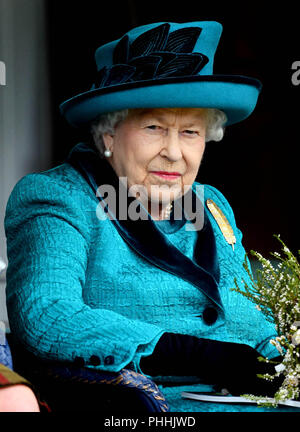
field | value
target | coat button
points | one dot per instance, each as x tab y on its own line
210	315
109	360
95	360
79	361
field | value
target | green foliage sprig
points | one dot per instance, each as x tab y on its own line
275	291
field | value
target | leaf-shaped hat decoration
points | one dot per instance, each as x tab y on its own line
120	73
117	74
145	67
154	54
121	51
183	40
181	65
101	77
152	40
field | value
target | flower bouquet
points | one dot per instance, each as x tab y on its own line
275	290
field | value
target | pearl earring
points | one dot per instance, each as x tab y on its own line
107	153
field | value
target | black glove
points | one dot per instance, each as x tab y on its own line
225	364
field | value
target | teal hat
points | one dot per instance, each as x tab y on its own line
163	65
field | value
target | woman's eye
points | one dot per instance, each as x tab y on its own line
153	127
190	132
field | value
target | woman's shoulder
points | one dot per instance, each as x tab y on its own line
60	192
63	175
62	181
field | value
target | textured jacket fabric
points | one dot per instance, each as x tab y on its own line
76	288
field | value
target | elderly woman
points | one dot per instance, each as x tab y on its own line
118	258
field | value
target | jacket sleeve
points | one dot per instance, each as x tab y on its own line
48	234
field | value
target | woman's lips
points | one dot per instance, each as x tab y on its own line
167	175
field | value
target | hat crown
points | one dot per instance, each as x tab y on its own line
159	50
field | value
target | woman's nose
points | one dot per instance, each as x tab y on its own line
171	146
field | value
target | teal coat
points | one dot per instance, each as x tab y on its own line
80	284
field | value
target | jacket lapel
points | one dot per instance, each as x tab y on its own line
143	236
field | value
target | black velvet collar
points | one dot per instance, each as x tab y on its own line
143	235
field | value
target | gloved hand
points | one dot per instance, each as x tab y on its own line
236	366
225	364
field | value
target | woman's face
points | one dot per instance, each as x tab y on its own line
159	149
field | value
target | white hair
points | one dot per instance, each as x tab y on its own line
107	123
215	125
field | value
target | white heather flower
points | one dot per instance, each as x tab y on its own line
292	380
276	294
283	393
296	338
279	368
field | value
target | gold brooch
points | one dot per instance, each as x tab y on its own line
223	223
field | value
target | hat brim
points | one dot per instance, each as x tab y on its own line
235	95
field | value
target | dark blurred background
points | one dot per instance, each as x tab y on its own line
256	164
